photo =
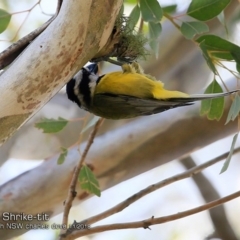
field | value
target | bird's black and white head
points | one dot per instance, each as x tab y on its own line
80	88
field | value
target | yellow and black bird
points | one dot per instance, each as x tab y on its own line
126	94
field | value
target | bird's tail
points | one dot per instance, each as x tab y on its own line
199	97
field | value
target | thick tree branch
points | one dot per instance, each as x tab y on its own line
52	59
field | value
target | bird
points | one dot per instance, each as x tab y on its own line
126	94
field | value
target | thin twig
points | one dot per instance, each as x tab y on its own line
59	4
154	187
11	53
25	18
72	189
152	221
171	20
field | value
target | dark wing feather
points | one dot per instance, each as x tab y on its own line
122	106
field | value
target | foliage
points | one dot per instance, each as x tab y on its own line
51	125
5	18
88	181
62	156
214	48
213	107
227	162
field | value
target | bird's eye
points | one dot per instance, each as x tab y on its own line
85	70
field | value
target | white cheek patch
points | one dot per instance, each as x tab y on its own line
78	79
92	84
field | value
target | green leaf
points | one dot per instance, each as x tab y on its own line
90	124
151	10
88	181
204	10
131	1
190	29
213	108
221	18
227	162
238	67
121	11
170	9
154	32
236	57
134	17
5	18
51	125
62	156
234	109
219	47
207	57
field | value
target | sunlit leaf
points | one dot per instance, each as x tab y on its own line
90	124
219	47
204	10
134	17
234	109
121	10
227	162
5	18
151	10
51	125
154	32
133	2
213	108
88	181
207	57
170	9
62	156
221	18
190	29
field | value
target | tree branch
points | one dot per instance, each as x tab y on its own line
72	189
189	173
153	221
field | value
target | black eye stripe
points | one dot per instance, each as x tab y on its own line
70	92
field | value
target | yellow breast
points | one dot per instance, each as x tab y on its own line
136	85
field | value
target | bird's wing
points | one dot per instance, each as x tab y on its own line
124	106
128	106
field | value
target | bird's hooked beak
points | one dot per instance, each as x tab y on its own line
93	68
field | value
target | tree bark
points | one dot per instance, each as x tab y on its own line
74	37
